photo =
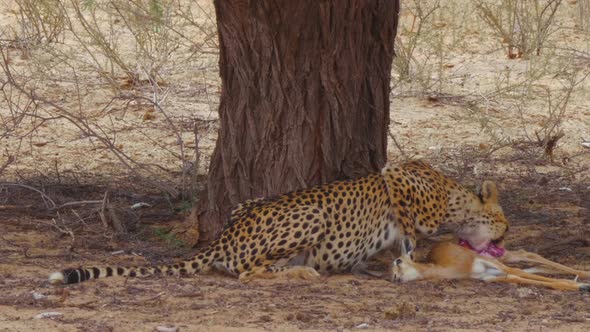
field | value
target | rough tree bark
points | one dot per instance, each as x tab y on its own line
304	97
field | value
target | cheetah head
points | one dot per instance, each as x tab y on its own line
484	222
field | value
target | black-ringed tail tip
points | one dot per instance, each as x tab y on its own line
74	276
56	278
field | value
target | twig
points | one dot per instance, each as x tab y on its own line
10	160
9	241
43	195
103	208
74	203
157	296
397	145
62	230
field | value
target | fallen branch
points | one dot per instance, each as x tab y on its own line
76	203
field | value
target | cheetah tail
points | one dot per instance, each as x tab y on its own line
199	263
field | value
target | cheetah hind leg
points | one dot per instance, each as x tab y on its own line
275	272
283	251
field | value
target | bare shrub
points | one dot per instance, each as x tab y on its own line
549	132
422	13
430	35
516	91
522	25
39	21
525	99
118	37
111	77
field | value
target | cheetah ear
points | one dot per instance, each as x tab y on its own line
489	192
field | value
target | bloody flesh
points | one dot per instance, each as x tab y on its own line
492	250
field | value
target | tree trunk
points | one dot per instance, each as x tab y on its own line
304	97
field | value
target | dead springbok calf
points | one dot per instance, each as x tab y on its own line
453	261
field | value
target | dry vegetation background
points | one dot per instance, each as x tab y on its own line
108	118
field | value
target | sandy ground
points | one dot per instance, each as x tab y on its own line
546	202
30	251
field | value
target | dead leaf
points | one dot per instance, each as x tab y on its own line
147	116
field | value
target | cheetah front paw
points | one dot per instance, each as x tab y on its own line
305	273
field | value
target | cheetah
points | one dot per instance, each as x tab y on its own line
334	227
